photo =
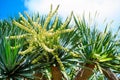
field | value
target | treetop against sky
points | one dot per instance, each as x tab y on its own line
107	9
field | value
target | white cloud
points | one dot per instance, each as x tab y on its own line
106	8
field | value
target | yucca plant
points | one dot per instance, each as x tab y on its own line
12	65
45	48
45	37
98	49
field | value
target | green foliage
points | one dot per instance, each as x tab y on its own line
32	44
38	35
96	47
14	66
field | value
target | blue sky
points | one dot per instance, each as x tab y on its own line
107	9
10	8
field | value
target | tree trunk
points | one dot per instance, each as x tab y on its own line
25	79
56	73
85	73
109	74
39	76
7	78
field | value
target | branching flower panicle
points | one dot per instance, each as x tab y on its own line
39	36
